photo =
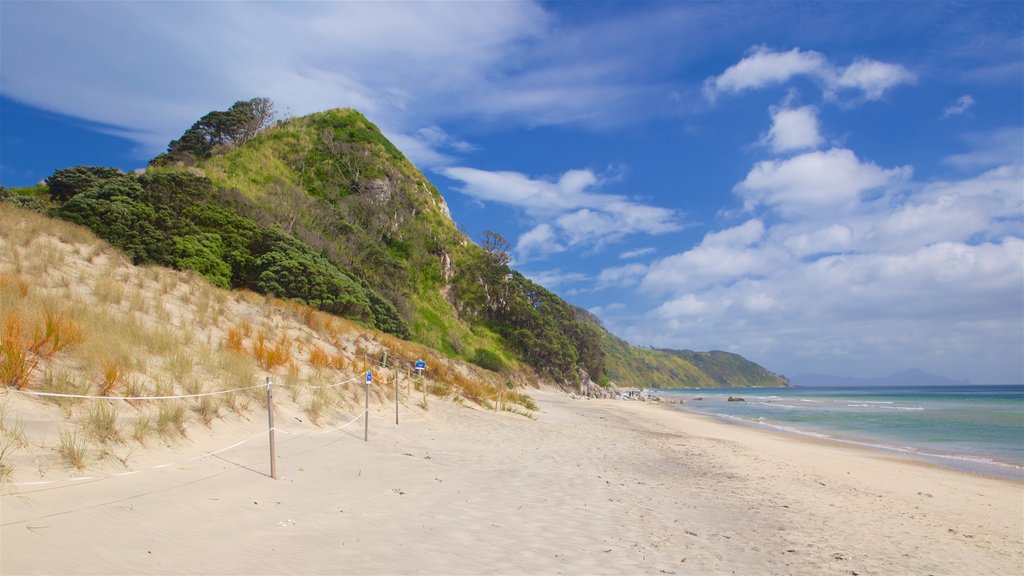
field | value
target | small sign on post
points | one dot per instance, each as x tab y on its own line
366	414
421	366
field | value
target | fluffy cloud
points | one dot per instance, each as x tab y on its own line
305	56
621	276
793	129
567	211
540	240
934	271
721	258
815	181
764	67
870	77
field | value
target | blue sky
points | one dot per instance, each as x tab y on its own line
821	187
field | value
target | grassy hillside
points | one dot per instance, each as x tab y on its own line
729	370
324	211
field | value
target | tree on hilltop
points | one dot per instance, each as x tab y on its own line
236	125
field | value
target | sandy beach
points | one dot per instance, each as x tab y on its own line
587	487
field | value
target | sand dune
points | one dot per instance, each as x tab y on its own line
589	487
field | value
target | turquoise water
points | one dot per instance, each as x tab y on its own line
976	428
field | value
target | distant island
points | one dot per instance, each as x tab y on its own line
914	377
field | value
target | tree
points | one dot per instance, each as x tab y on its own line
497	248
237	125
66	183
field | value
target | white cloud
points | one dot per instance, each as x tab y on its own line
871	77
552	279
834	238
934	271
540	240
621	276
685	305
991	148
637	253
720	258
815	181
962	104
305	56
793	129
407	67
765	67
573	214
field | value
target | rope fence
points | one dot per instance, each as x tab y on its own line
269	431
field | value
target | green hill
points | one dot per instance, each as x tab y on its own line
323	209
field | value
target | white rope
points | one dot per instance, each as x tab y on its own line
130	398
349	381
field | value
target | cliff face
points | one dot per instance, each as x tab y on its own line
323	209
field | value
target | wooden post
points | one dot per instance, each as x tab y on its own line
270	423
366	414
396	397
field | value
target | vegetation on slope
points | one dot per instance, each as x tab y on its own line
325	211
728	369
76	317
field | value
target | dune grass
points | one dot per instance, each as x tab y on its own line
76	318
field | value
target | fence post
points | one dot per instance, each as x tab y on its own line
270	423
366	414
396	397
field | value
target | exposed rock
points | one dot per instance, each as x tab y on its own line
379	189
736	399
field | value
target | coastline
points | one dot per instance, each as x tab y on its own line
993	452
979	466
588	487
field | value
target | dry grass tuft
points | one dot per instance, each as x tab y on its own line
59	332
318	358
16	361
233	341
271	355
112	376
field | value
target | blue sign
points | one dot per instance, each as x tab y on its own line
369	377
421	365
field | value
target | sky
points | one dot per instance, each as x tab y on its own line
831	188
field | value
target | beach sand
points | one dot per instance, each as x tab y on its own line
588	487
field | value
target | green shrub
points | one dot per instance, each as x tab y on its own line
488	360
69	182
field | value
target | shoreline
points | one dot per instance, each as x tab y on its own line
979	456
982	466
588	487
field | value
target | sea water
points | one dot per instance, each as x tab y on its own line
975	428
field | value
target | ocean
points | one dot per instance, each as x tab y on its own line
974	428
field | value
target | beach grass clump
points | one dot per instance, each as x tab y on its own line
317	405
55	333
72	448
101	424
270	355
142	427
233	340
170	420
63	382
12	438
112	376
318	358
16	359
207	408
